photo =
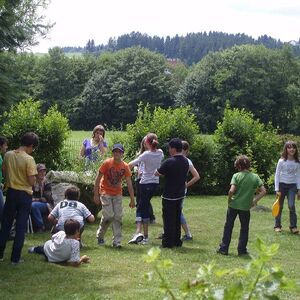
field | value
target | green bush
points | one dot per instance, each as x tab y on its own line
238	134
202	153
52	129
165	123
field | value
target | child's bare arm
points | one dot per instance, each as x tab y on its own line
90	218
195	177
131	192
83	259
52	219
231	192
96	188
261	192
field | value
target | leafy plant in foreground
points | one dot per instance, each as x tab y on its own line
258	280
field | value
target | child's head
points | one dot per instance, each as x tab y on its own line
99	129
118	151
41	168
185	148
242	163
72	193
290	148
71	227
175	146
3	144
151	141
30	139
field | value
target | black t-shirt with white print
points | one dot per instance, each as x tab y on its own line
175	170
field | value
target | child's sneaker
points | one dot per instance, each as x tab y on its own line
294	230
187	238
277	229
137	238
223	252
117	245
31	250
144	242
101	242
15	263
161	236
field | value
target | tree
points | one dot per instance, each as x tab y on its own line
21	24
263	81
124	79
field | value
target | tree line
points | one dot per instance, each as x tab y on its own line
190	48
108	88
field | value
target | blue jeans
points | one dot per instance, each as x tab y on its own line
17	205
37	209
1	203
143	210
244	216
289	190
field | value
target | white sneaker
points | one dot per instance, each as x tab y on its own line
144	242
137	238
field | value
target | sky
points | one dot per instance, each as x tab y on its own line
77	21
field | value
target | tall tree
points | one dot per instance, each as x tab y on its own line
21	24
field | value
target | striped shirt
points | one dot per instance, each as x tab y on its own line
70	209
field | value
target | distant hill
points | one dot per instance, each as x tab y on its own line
189	48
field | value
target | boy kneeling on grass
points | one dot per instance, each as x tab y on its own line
64	246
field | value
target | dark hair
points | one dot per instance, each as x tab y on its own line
151	139
71	226
176	143
99	128
29	139
72	193
185	146
287	145
242	163
3	140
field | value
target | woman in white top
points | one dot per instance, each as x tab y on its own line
151	160
287	183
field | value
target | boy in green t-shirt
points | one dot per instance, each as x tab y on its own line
241	197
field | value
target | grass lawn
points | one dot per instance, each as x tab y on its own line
119	274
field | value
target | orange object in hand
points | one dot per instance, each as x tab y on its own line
276	205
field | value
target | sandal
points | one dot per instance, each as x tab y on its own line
294	230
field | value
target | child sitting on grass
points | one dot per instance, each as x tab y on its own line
63	246
240	199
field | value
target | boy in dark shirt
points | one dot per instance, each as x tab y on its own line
175	170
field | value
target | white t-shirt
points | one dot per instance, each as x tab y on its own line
61	249
151	161
70	209
287	171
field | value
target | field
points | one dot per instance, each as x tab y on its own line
119	274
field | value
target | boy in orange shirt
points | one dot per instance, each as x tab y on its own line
108	192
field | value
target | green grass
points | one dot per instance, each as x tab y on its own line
119	274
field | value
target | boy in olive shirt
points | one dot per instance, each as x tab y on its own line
240	199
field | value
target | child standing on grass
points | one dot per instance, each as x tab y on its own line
287	183
195	177
151	160
108	192
139	171
63	246
240	199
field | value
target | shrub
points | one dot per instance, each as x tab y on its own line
202	154
239	133
52	129
165	123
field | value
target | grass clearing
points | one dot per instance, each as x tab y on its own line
119	274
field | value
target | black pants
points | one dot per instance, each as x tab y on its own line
138	201
244	216
171	210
